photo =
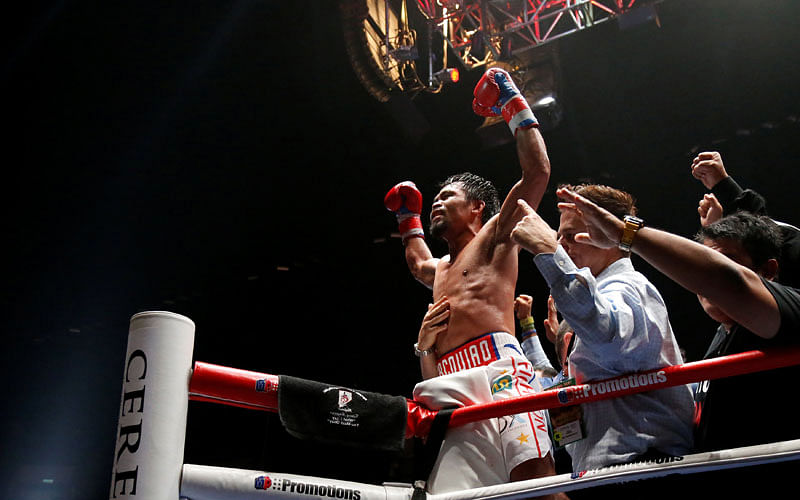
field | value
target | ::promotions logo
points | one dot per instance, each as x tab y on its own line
578	475
263	385
315	489
263	483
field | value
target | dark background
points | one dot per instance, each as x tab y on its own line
222	161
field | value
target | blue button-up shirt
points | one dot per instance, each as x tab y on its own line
621	326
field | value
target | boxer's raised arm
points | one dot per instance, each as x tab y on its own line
496	94
531	187
421	262
405	200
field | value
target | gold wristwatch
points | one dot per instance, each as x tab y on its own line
632	226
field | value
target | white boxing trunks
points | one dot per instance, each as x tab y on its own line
489	368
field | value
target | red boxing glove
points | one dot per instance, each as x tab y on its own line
405	201
496	95
487	95
419	420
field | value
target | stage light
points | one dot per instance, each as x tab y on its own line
447	75
544	101
454	75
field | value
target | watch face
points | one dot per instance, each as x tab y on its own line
630	219
632	225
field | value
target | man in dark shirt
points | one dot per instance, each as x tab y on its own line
754	242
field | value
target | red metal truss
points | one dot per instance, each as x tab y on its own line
481	31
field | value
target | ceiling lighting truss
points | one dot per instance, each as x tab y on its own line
482	31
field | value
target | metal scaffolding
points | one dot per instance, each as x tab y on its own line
395	48
485	31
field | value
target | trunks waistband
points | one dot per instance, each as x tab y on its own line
479	351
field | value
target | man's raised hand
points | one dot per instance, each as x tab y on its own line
532	233
603	229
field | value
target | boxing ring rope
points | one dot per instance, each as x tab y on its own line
619	473
159	381
202	482
242	388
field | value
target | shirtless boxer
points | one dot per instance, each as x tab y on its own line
476	282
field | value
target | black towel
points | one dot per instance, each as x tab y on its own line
339	415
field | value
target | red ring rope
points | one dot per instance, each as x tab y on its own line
259	391
234	387
709	369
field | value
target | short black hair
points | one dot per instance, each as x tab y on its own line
759	235
477	188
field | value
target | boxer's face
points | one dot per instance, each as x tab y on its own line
451	211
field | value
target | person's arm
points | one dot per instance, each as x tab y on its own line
599	316
709	209
529	339
435	322
421	262
709	169
496	94
735	289
535	166
605	316
551	323
405	200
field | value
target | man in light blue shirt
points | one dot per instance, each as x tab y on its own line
621	326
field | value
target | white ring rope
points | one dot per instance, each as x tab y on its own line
217	483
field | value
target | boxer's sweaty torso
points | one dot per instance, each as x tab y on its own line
479	283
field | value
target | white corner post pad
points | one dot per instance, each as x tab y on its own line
155	399
203	482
